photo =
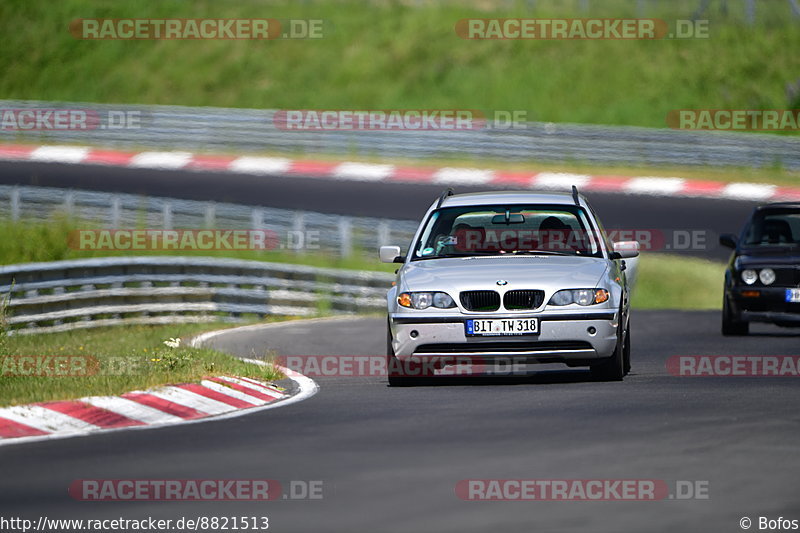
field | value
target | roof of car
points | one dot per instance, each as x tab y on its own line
508	197
779	205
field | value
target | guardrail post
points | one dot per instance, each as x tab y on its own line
384	232
167	215
69	203
114	215
256	219
299	228
15	204
345	237
210	215
750	11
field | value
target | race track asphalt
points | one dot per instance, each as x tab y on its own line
390	458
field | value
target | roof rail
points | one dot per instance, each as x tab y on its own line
575	195
445	194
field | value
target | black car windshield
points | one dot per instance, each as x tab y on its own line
507	229
780	227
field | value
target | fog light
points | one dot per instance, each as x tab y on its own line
414	334
591	330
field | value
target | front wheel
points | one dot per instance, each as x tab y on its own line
626	353
730	325
616	366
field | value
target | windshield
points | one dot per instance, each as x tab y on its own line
774	228
507	229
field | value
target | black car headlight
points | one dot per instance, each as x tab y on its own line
749	276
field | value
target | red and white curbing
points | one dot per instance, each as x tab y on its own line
355	171
211	399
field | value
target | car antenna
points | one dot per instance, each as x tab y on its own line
575	195
445	194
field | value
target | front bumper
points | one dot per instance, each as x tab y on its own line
769	306
562	337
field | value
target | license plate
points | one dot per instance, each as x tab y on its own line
793	295
503	326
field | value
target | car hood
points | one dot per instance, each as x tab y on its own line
520	272
771	256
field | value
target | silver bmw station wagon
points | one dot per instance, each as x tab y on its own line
520	277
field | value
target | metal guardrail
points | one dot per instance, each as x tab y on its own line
252	130
307	231
65	295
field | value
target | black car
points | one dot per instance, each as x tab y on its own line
762	282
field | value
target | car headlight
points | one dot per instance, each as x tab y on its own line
749	276
579	296
767	276
424	300
442	300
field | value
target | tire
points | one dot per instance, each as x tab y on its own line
730	325
393	366
614	368
626	353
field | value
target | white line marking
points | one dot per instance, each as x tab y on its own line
748	191
260	165
252	386
131	409
363	171
44	419
560	180
190	399
463	176
654	185
222	389
166	160
60	154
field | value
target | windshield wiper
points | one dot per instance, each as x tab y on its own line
540	252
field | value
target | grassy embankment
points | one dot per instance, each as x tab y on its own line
406	55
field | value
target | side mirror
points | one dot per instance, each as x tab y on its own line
391	254
728	240
625	250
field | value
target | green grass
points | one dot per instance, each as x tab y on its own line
34	241
406	55
116	360
674	282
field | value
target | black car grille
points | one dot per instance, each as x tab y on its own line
786	277
523	299
480	300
